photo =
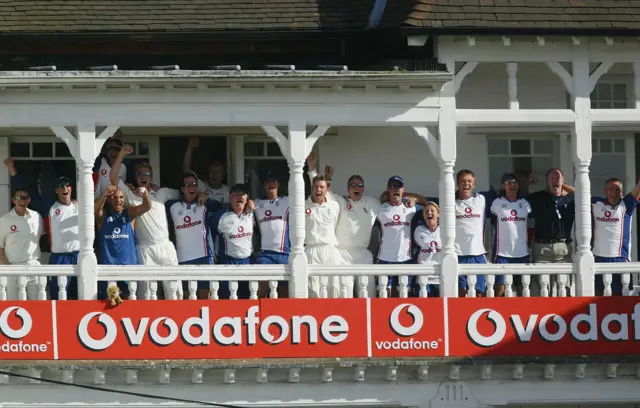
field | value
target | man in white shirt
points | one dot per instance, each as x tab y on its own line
153	246
394	218
215	174
20	233
612	216
104	162
321	219
510	214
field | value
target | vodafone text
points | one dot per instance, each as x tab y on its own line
406	340
14	336
597	325
225	331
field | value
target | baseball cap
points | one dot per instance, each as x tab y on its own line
238	188
506	177
269	176
112	141
395	179
63	182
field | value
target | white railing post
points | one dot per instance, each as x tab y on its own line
299	281
581	144
447	129
87	261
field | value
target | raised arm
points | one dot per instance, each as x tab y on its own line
114	176
636	190
188	154
38	203
137	210
98	205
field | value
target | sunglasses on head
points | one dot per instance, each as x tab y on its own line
190	184
21	197
359	185
144	173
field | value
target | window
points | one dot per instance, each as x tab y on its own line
261	157
533	155
609	95
609	160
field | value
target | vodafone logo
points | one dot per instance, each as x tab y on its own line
514	213
58	211
396	217
349	206
399	328
583	327
468	210
15	333
268	213
224	331
187	219
607	214
308	211
14	228
241	229
103	172
608	217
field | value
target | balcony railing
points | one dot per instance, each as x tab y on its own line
556	280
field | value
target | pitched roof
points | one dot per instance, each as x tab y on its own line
513	15
73	16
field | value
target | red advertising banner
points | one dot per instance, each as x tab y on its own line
317	328
407	327
27	330
553	326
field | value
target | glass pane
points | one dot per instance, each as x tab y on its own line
620	92
19	150
539	168
135	149
594	145
498	146
273	150
603	105
619	145
143	149
497	167
62	150
544	146
606	146
603	167
43	149
620	105
254	169
521	146
604	92
594	103
254	149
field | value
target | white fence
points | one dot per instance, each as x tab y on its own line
558	280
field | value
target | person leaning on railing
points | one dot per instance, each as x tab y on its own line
115	231
425	232
20	233
612	229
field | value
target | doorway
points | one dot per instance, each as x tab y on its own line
172	155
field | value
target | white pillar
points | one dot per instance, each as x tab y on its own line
87	261
566	157
512	72
299	283
636	84
447	128
5	181
581	143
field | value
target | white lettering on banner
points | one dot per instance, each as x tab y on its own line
404	331
524	332
333	330
16	334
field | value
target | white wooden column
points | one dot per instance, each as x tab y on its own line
636	84
87	261
581	143
5	179
512	73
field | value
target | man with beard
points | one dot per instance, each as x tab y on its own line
104	162
320	239
61	224
115	230
192	224
612	217
215	174
394	218
153	246
20	233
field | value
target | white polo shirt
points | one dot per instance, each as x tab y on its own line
320	222
104	174
395	225
470	219
612	227
235	234
511	227
356	220
429	244
272	217
64	234
20	236
218	194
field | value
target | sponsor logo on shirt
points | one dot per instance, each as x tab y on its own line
117	234
513	218
308	211
468	213
349	207
433	247
241	234
103	172
188	223
58	211
607	218
396	222
268	217
14	228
